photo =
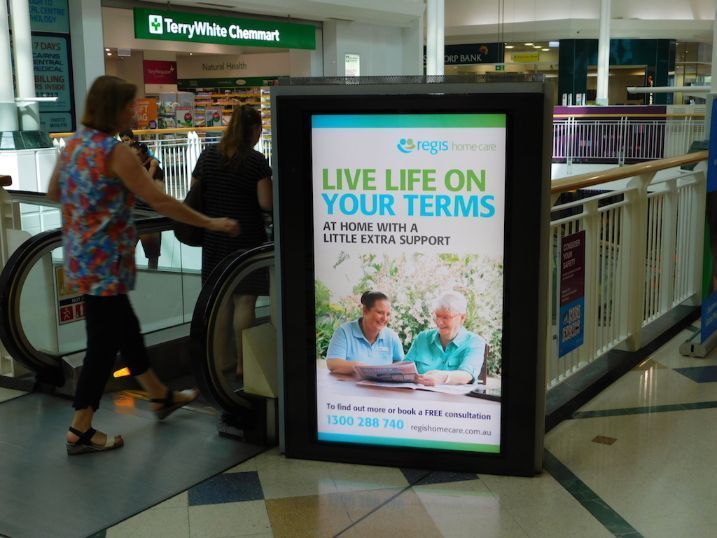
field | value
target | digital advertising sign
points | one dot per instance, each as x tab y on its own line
414	210
409	229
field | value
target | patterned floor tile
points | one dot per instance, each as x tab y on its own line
308	516
360	504
9	394
152	523
648	364
247	518
293	479
604	440
414	475
442	477
461	516
470	488
645	389
227	488
365	477
403	515
700	374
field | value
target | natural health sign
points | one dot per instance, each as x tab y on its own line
220	30
412	206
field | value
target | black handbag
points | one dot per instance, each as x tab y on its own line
187	234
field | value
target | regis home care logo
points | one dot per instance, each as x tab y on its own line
409	145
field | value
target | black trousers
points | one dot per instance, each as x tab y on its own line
111	326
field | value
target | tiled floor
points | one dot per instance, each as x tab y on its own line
637	460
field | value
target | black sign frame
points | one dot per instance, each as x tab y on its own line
527	109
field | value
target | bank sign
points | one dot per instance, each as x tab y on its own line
199	28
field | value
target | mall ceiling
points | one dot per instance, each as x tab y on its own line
393	12
495	20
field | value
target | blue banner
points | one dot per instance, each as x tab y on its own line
571	329
709	265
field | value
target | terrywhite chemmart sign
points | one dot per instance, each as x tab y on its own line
199	28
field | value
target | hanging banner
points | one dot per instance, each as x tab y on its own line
399	201
571	329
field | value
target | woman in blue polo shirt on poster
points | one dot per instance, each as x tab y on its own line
366	340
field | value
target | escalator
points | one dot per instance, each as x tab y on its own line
184	325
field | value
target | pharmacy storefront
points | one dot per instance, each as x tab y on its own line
242	52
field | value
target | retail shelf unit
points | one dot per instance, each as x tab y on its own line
265	103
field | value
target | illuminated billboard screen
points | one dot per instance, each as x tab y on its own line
409	212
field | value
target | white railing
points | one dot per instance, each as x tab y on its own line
177	151
643	253
623	139
597	139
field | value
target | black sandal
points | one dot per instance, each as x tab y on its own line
84	444
169	405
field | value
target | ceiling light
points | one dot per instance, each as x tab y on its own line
107	50
509	46
545	50
109	54
528	44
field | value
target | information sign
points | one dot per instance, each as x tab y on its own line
572	292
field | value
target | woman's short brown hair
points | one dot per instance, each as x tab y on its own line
107	97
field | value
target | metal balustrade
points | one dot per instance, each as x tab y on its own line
623	140
643	253
643	236
604	139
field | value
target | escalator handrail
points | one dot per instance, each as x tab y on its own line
13	277
206	308
30	197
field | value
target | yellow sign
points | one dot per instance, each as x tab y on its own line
526	57
70	304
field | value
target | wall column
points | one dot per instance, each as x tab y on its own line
29	111
435	43
382	50
88	59
603	67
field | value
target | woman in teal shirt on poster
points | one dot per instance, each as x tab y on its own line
448	354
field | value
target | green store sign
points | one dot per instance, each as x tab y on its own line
198	28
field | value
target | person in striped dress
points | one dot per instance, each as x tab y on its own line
236	181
